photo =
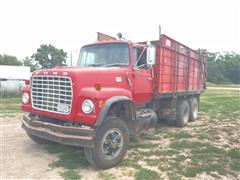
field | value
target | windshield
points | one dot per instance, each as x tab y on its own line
106	55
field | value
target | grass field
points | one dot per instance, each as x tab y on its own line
223	85
207	148
10	106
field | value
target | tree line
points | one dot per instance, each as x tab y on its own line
46	57
222	67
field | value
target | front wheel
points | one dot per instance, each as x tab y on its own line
110	144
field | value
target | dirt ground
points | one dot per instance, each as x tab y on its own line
21	157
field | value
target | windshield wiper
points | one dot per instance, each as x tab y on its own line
95	65
115	64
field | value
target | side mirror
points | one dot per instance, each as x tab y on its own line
151	55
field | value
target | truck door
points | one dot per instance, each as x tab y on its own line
143	80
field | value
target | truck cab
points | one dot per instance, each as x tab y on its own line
128	61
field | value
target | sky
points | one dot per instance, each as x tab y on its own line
70	24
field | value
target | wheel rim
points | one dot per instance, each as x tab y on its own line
112	143
185	115
195	110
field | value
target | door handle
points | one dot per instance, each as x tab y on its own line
128	80
150	79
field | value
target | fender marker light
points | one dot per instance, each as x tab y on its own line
101	104
98	86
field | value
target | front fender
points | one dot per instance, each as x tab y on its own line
107	95
110	102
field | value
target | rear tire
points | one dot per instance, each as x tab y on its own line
183	113
110	144
38	139
194	107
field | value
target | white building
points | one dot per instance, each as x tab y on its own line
11	79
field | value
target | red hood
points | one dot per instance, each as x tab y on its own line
89	76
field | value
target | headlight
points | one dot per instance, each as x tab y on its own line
87	106
25	98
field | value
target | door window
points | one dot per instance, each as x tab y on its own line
140	57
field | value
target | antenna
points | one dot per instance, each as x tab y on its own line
159	31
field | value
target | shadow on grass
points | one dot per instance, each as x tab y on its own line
70	159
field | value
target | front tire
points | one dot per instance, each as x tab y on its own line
110	144
183	113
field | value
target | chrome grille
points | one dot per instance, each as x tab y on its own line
52	94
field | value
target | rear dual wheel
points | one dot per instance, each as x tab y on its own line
194	107
183	113
186	111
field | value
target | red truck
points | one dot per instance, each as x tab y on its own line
117	89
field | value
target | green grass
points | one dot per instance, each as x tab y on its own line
144	146
55	148
227	103
199	144
208	158
105	176
149	136
208	150
69	158
185	145
192	171
235	166
159	152
70	175
10	106
145	174
223	85
235	154
130	163
182	135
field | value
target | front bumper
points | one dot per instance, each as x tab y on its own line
73	136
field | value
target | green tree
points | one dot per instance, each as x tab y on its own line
9	60
48	56
232	66
31	63
224	67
